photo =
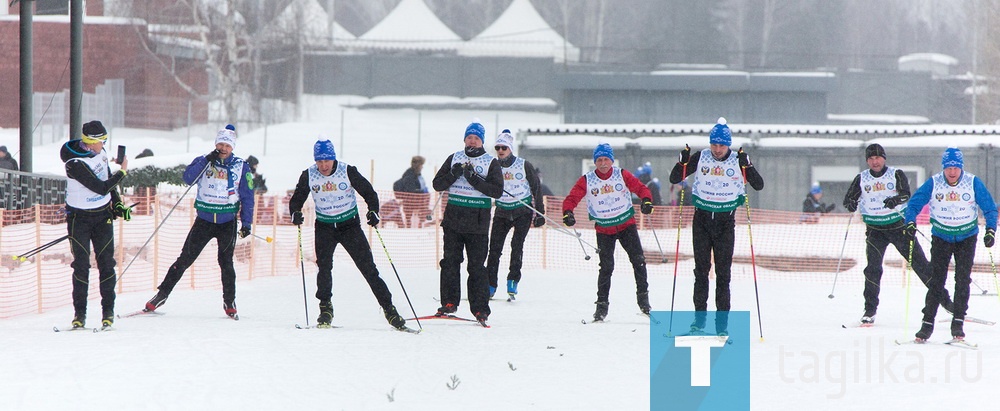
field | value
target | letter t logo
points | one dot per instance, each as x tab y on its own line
701	356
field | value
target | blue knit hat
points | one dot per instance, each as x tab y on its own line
323	150
604	150
720	133
952	157
477	129
815	189
645	169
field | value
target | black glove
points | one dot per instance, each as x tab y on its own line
469	171
830	208
910	231
685	155
850	205
744	158
245	231
891	202
297	218
119	210
989	238
457	170
568	218
647	206
210	157
538	221
373	218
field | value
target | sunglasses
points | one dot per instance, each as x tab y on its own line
501	148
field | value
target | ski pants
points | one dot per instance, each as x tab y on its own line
85	230
476	246
201	233
498	234
629	238
941	252
352	237
878	239
712	233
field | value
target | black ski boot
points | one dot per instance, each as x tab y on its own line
230	309
394	319
601	312
325	314
107	317
643	300
956	328
156	301
926	329
446	309
79	320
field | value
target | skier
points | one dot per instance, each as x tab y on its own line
718	190
335	185
521	189
881	193
472	179
955	199
91	203
608	190
225	188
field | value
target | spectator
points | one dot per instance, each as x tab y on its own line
6	161
812	207
259	182
411	190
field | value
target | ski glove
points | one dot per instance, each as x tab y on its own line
744	158
297	218
910	231
685	155
647	206
891	202
210	157
119	210
373	218
469	172
568	218
850	205
989	238
245	231
538	221
456	170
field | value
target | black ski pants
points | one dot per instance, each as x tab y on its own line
941	252
86	229
629	238
201	233
498	234
878	239
476	246
352	237
712	233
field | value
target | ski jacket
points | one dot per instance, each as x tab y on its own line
466	219
90	185
579	191
358	183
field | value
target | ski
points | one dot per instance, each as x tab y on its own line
442	317
511	297
650	317
308	327
592	321
956	342
971	320
104	328
140	312
406	329
727	338
858	325
68	329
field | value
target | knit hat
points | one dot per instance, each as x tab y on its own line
645	169
227	136
720	133
815	189
323	150
952	157
477	129
505	139
604	150
874	150
94	132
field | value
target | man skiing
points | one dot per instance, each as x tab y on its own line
472	179
719	189
521	193
881	193
956	199
92	202
608	190
225	189
335	185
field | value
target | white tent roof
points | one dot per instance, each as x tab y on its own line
411	25
521	32
315	21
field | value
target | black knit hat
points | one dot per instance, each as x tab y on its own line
95	131
874	150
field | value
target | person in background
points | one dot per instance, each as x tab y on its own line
92	202
645	174
472	179
411	190
6	161
224	195
335	186
521	190
956	198
259	182
608	190
882	193
812	206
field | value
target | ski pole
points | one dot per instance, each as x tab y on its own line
36	250
137	253
415	316
995	284
302	264
677	249
753	261
906	275
268	239
839	260
430	217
